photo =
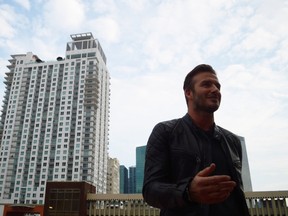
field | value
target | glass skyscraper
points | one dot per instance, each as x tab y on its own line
246	177
140	163
123	179
132	180
54	122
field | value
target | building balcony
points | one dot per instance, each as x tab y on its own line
91	103
92	98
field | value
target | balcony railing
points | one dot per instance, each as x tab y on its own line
269	203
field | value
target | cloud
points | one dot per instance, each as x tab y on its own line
24	3
4	69
259	40
266	17
60	16
254	105
106	28
137	104
100	7
6	21
136	5
281	55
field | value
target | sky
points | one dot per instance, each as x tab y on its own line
151	45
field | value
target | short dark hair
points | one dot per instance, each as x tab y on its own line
188	82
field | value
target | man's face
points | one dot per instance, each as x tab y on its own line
206	96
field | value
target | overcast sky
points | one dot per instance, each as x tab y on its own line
151	45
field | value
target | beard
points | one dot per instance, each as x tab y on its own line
206	104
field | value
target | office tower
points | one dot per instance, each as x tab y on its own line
246	177
123	179
55	120
132	180
113	176
140	162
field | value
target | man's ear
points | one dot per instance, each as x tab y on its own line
188	94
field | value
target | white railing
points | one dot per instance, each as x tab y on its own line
269	203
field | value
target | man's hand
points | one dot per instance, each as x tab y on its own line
208	189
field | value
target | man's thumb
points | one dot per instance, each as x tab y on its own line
207	171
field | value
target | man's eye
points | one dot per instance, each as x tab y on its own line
206	84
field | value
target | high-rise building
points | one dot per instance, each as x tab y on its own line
113	176
54	121
132	180
246	177
140	163
123	179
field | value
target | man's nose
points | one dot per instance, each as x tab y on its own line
215	88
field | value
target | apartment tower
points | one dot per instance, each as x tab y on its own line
54	123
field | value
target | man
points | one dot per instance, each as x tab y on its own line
193	167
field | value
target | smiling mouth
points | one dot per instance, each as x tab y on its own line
214	99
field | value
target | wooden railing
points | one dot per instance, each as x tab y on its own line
269	203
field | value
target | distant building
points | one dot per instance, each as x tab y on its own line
140	163
132	180
113	178
54	121
123	179
246	177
